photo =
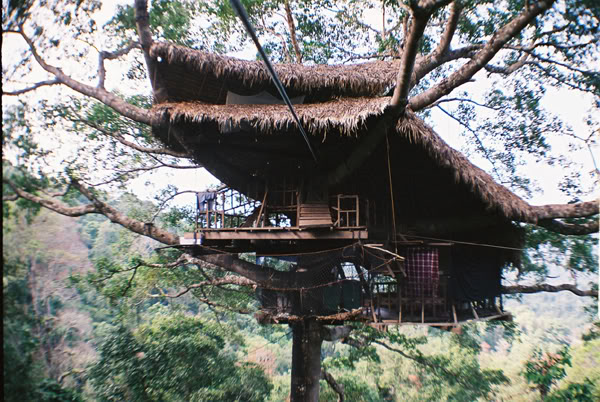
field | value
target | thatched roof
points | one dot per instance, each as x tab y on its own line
345	116
192	75
335	120
492	193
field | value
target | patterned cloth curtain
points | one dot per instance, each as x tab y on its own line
423	273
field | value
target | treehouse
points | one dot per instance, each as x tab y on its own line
389	225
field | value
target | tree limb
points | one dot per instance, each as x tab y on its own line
481	58
553	211
31	88
576	229
510	68
292	27
206	301
421	14
476	135
227	280
462	100
516	289
337	388
104	55
133	112
259	274
122	140
529	51
142	23
11	197
51	204
436	58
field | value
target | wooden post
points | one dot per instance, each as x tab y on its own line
399	300
223	211
260	212
338	211
357	211
474	311
207	217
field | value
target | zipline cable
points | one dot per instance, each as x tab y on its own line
241	12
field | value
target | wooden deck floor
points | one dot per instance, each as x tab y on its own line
275	233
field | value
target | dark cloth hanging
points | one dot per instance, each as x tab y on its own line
474	276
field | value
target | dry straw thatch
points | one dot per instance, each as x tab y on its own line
366	79
348	116
493	194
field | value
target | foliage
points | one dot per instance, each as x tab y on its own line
545	369
174	357
24	376
581	392
576	254
456	374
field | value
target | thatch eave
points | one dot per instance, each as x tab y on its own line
349	117
346	116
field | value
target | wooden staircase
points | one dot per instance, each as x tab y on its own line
314	215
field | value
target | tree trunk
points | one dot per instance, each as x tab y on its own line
306	361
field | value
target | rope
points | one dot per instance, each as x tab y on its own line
465	242
241	12
387	145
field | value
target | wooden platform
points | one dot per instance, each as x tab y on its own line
275	233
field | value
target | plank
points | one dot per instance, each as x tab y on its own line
188	238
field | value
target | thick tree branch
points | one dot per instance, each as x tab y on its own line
516	289
421	13
130	111
481	58
576	229
436	58
261	275
50	204
449	30
142	23
553	211
256	273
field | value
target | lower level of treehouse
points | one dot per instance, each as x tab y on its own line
422	287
